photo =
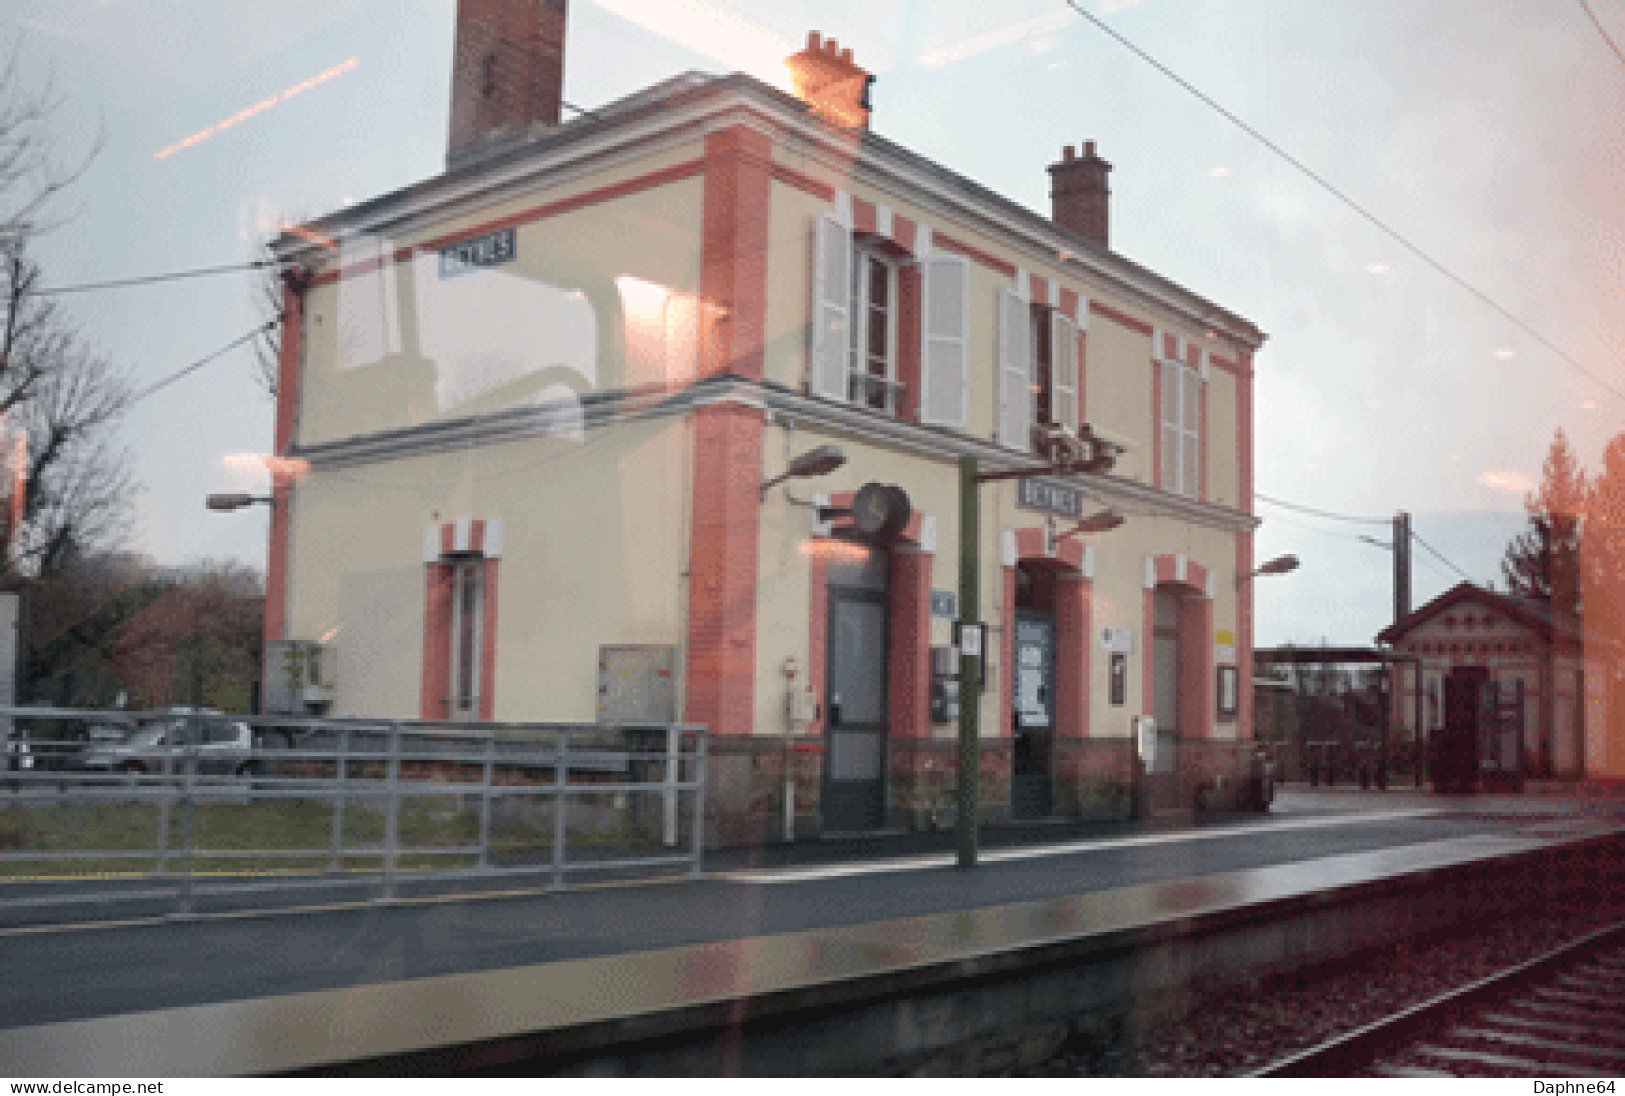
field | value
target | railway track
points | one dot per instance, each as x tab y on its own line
1561	1014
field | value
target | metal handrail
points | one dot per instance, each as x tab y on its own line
383	766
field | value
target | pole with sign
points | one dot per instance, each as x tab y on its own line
972	647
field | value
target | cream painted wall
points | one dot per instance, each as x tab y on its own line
594	537
582	307
1118	588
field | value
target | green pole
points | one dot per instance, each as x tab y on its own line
970	685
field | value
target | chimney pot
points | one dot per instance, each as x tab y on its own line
1080	195
828	79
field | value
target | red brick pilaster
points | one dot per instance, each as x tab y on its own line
287	394
1244	545
721	671
817	634
908	685
1196	667
733	279
488	643
908	342
1072	629
434	698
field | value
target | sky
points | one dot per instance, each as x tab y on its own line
1489	137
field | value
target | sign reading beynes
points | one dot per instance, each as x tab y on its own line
1050	498
492	249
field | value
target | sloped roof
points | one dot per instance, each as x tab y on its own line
1535	613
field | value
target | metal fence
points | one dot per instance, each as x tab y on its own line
190	808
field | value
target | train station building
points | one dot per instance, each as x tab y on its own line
1548	688
535	414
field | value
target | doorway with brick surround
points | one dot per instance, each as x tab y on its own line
854	794
1032	695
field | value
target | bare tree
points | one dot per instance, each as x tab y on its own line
32	179
57	394
268	342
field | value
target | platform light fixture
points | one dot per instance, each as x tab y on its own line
1280	565
236	500
814	462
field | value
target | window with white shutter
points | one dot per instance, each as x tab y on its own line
1063	342
1015	372
943	359
1181	429
832	308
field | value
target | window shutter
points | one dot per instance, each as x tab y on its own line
832	308
1063	340
944	320
1191	481
1169	472
1015	372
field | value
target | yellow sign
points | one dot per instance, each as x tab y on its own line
1224	638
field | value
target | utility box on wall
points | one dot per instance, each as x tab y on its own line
301	677
637	683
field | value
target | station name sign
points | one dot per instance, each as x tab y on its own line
492	249
1048	497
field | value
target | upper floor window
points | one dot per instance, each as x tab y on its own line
1038	369
873	382
1181	429
864	290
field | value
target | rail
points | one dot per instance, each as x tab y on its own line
190	807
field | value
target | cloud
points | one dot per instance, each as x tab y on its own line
1507	481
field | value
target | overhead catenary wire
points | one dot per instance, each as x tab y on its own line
1283	504
1382	226
1606	37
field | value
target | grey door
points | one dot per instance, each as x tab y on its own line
1032	696
855	727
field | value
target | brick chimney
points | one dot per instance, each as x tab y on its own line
507	68
828	80
1079	193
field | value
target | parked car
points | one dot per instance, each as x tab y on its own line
163	742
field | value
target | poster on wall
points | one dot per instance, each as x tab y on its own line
1229	691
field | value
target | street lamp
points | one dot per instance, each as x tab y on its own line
814	462
236	500
1280	565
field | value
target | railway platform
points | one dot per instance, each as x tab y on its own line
812	964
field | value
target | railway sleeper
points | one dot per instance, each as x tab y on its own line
1569	1024
1535	1042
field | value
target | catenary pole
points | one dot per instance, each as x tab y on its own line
970	686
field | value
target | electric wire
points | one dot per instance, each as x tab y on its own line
264	328
153	279
1600	30
1417	537
1320	513
1371	218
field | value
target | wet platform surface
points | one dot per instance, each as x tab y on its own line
228	995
